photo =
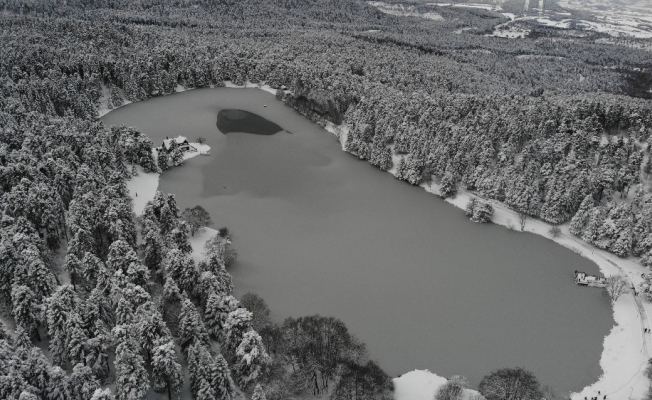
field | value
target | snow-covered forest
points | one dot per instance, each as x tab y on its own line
97	303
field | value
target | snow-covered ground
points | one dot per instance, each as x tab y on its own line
142	188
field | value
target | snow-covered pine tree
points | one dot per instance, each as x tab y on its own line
103	394
131	380
163	160
152	250
82	382
191	328
217	310
482	212
166	369
58	385
470	207
578	222
25	309
180	237
237	323
251	359
182	269
258	394
448	187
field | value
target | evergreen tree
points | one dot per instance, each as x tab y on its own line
25	310
131	380
217	311
191	327
578	222
82	382
251	359
448	187
103	394
482	212
258	394
58	385
470	207
166	369
163	160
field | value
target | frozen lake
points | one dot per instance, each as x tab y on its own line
320	232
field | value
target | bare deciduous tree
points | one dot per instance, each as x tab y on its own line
616	286
522	217
453	389
510	383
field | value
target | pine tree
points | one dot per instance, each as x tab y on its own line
163	160
470	207
25	309
76	339
152	330
251	359
58	385
176	156
103	395
237	323
166	369
259	394
578	222
191	327
482	212
153	250
131	377
217	310
180	237
181	267
82	382
448	187
74	268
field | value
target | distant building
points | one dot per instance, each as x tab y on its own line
181	141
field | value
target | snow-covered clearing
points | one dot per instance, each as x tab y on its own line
142	188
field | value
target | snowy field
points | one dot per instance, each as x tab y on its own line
626	349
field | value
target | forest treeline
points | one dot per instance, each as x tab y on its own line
545	125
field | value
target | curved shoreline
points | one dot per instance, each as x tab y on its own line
625	350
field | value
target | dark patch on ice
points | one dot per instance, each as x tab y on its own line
244	121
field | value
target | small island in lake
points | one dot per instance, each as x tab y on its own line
244	121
